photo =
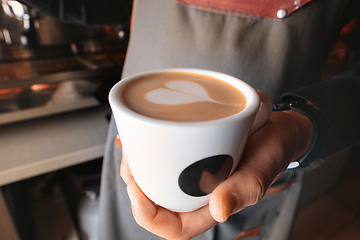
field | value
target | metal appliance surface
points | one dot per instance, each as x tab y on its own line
49	67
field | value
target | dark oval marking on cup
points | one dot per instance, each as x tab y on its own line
202	177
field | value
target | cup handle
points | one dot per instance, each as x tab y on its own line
263	112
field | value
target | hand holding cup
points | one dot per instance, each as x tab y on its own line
184	130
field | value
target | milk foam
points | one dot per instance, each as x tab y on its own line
180	92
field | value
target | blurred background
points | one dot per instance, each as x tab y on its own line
54	81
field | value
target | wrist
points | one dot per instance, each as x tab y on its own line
321	130
305	132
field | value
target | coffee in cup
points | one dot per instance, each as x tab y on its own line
183	97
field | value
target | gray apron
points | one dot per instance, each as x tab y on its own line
272	55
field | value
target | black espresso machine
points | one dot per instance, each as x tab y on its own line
49	67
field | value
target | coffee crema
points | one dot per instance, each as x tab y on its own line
182	97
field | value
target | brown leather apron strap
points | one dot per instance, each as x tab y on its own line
280	187
275	9
252	232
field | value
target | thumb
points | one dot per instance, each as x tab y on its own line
240	190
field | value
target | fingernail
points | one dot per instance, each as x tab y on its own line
230	206
118	141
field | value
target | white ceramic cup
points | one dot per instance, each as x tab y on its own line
178	164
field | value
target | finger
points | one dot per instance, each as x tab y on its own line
118	141
152	217
241	189
125	172
164	223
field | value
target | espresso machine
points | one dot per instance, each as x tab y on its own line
50	67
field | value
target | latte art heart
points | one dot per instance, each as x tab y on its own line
183	97
180	92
